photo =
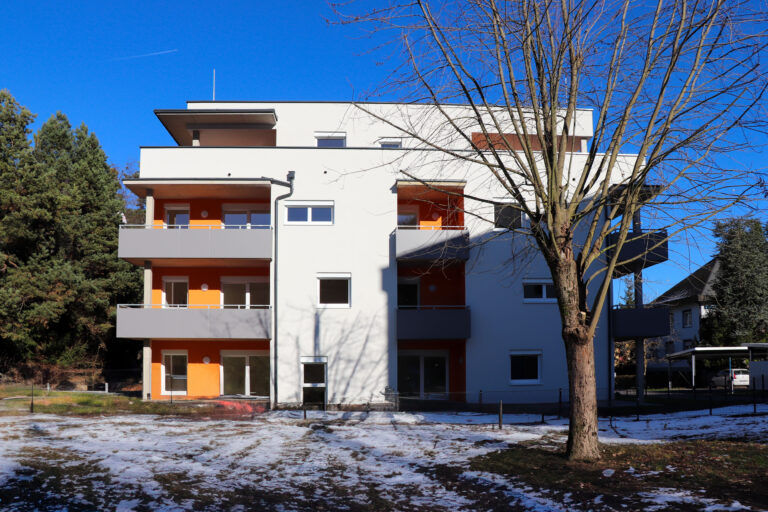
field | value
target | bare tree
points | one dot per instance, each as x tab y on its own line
679	84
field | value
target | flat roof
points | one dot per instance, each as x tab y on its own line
711	352
181	122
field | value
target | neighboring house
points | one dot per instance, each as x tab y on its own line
359	283
688	302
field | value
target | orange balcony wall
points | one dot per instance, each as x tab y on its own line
434	209
204	212
438	285
497	141
199	276
203	379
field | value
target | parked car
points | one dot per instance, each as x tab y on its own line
723	378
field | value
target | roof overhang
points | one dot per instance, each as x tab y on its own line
710	352
224	188
181	122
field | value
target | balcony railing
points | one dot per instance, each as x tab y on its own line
140	242
429	243
640	250
194	321
639	323
433	322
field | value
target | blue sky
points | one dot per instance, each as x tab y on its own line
110	64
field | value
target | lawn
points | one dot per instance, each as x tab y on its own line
380	461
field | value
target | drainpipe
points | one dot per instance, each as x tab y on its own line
289	184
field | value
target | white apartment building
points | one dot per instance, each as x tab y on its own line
346	282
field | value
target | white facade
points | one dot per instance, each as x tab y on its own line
358	343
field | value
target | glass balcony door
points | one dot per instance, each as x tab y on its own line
244	293
177	217
422	375
175	292
244	374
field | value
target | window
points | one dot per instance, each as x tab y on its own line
245	217
422	374
407	215
525	367
244	292
687	318
539	292
391	143
175	291
333	290
408	293
309	212
669	347
507	216
177	216
174	372
331	139
314	380
244	373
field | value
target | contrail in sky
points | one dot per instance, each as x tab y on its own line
162	52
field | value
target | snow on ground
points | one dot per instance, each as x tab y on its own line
346	461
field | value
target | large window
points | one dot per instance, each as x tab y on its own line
538	292
244	292
334	290
244	373
507	216
245	217
175	292
309	212
177	216
525	367
174	372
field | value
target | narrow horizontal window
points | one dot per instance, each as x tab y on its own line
310	212
539	292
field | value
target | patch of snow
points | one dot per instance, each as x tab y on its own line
608	472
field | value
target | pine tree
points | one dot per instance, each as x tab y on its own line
57	296
741	286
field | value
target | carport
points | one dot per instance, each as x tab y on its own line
745	351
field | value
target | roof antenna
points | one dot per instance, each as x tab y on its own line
214	84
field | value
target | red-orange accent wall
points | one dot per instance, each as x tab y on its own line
457	361
448	283
197	277
202	379
213	207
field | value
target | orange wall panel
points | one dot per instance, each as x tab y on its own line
438	286
213	207
203	380
199	276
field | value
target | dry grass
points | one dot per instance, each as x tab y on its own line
724	470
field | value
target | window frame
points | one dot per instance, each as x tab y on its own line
689	314
526	382
176	207
390	142
247	354
309	205
421	354
503	205
174	352
408	209
303	360
335	276
247	280
174	279
248	209
545	299
330	136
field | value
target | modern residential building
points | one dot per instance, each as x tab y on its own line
308	252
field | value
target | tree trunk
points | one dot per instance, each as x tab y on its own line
582	435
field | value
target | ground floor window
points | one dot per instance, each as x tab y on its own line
244	373
525	367
314	380
174	372
422	374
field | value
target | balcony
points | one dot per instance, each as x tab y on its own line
634	323
217	244
424	244
433	322
153	321
644	249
